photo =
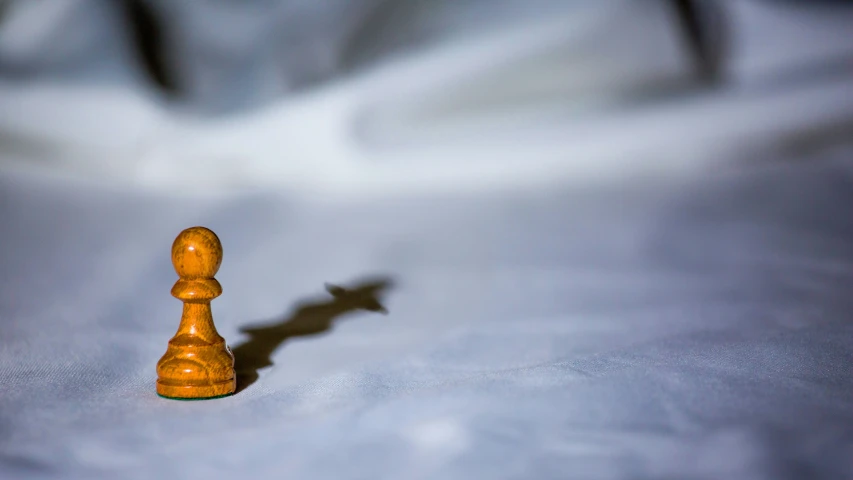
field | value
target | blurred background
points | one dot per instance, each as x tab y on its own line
356	97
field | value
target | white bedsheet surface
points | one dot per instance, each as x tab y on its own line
695	329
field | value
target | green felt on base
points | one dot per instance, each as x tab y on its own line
194	399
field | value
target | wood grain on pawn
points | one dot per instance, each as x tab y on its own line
197	364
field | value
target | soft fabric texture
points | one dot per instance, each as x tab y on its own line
696	329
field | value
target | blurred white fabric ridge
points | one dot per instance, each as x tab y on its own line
548	98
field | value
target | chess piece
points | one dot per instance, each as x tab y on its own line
197	363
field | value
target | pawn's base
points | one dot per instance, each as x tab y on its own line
194	399
176	391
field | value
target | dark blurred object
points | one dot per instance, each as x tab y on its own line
704	30
147	32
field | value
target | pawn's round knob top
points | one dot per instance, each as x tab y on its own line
196	253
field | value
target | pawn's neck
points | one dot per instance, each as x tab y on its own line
197	322
197	318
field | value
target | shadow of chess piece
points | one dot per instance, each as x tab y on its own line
309	319
197	363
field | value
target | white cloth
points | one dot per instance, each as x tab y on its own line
693	330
